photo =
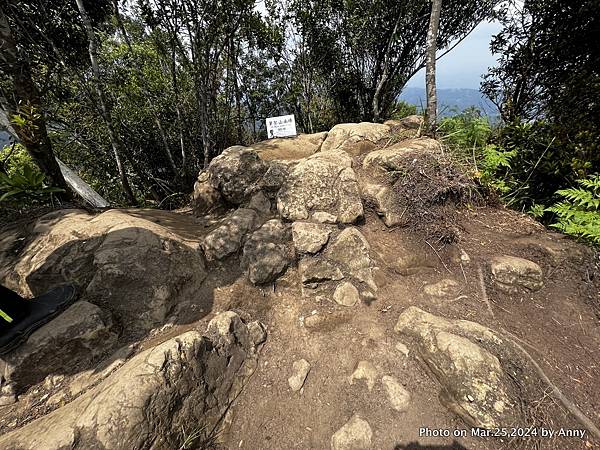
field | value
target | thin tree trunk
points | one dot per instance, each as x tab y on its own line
114	140
145	91
430	64
33	134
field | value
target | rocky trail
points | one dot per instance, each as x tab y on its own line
346	290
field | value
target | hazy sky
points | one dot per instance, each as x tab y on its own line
463	66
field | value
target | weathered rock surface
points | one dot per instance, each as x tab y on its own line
443	288
227	237
309	237
293	148
412	122
337	157
236	172
266	254
260	203
185	383
317	270
356	434
110	257
512	274
365	370
385	203
474	384
351	251
77	336
354	138
300	370
318	185
397	395
346	294
399	156
205	197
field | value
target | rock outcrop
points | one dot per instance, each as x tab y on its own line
110	257
474	383
157	398
355	138
266	254
227	238
320	185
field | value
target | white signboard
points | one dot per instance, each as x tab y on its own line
282	126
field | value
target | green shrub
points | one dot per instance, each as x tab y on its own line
579	213
402	109
22	183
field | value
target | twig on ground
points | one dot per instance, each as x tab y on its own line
439	257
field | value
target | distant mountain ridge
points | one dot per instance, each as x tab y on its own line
450	101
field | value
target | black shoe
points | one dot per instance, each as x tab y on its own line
42	310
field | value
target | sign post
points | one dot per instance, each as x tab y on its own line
281	126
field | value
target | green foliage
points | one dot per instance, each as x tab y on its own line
466	130
401	109
22	182
579	213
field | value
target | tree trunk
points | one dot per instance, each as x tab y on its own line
432	35
33	133
114	140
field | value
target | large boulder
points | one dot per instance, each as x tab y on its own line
158	397
511	274
398	157
227	238
205	197
236	172
289	149
76	337
121	261
319	185
266	254
474	383
355	138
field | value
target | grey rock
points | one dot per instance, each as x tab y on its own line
205	197
346	294
300	370
135	406
236	172
442	288
356	434
398	396
319	185
76	337
512	274
386	203
316	270
309	237
354	138
260	203
473	381
351	251
324	217
265	254
227	238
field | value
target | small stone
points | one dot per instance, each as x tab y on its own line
257	332
397	395
309	237
365	371
324	217
464	257
301	369
402	349
441	289
511	274
314	321
356	434
346	294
